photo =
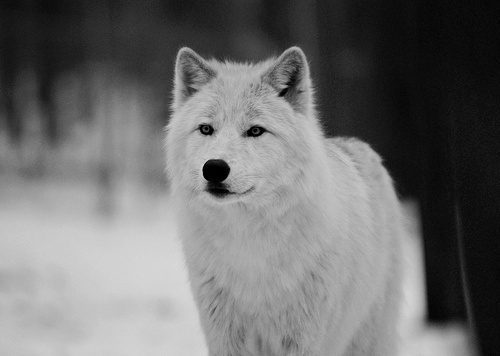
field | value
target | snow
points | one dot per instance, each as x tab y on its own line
73	282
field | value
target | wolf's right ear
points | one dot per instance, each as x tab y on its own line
289	76
191	73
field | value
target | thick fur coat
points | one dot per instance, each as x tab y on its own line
292	240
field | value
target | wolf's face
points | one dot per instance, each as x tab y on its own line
239	133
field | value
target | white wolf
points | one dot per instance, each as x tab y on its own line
292	240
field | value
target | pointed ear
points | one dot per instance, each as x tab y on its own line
289	76
191	73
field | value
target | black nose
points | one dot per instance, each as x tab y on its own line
215	170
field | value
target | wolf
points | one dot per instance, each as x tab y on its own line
291	239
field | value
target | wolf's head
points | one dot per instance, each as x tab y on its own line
239	132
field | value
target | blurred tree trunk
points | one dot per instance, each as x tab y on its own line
364	89
100	49
10	69
345	58
47	76
49	18
438	203
468	41
17	49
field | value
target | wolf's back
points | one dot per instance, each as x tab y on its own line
366	160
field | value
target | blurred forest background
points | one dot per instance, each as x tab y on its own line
86	84
84	98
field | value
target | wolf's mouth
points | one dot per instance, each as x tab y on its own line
220	190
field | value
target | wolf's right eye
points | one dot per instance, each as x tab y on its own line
206	130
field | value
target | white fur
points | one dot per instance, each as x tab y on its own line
303	258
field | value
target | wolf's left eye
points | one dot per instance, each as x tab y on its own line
206	129
255	131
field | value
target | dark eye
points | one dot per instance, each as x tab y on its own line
255	131
206	129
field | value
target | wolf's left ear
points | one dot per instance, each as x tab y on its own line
289	76
192	72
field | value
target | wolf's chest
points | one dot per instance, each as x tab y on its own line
261	317
260	279
255	282
257	266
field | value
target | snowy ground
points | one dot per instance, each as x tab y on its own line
75	283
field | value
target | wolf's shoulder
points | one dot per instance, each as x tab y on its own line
360	154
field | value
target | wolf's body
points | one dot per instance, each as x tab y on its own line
292	241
